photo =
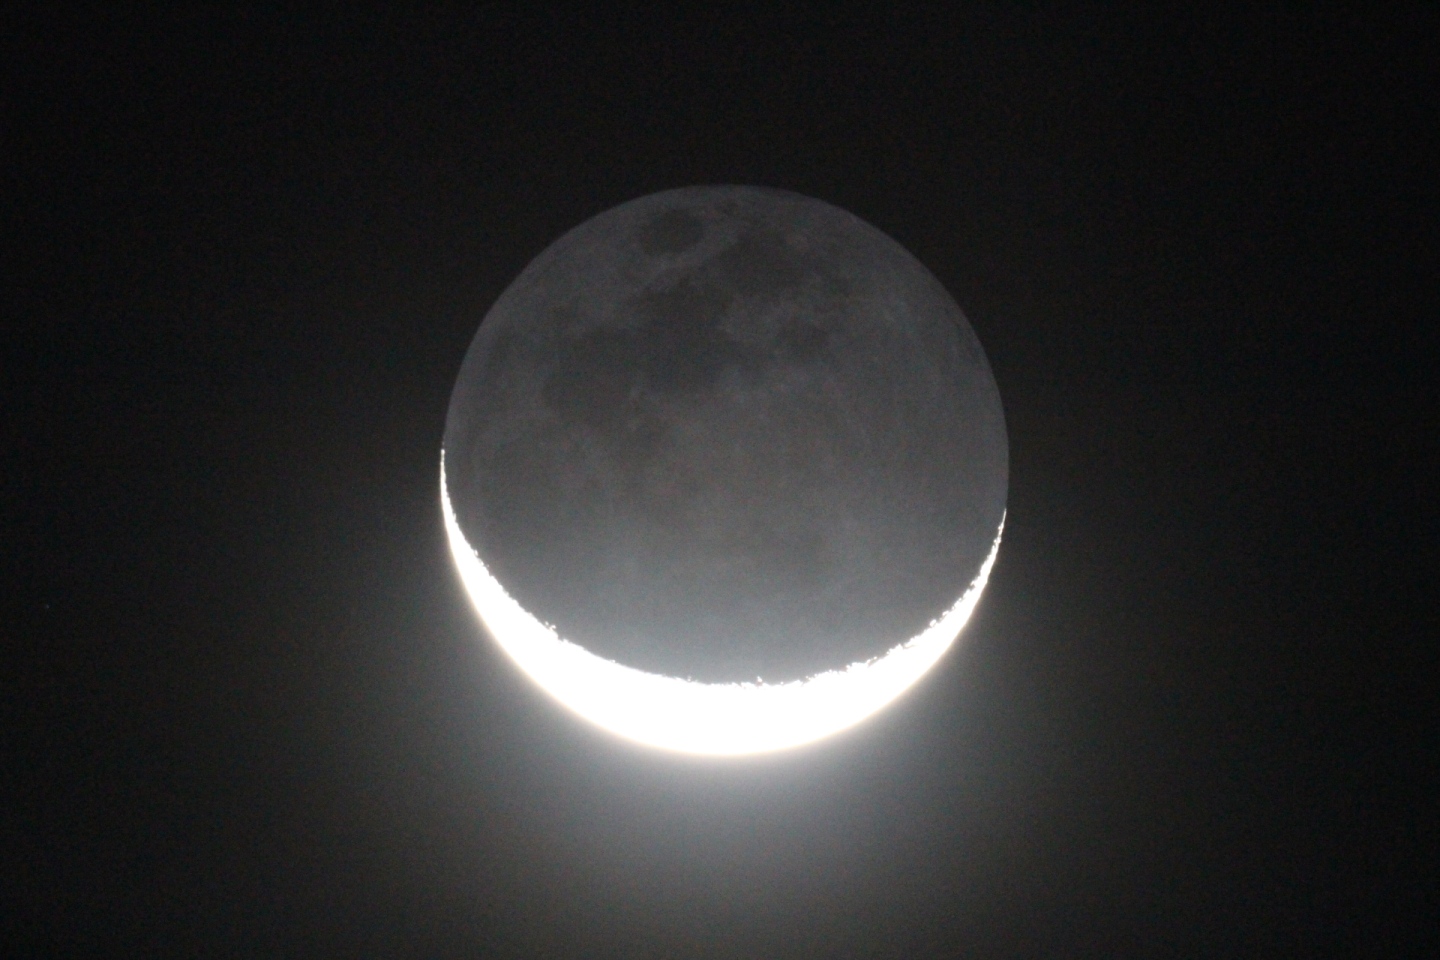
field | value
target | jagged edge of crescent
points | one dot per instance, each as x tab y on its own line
718	719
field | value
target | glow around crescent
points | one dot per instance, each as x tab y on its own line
701	718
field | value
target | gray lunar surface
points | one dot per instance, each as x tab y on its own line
728	433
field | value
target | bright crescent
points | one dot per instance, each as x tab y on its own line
717	719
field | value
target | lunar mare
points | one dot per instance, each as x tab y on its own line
715	719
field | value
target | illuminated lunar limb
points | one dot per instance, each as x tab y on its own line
701	718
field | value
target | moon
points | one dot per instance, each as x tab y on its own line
724	470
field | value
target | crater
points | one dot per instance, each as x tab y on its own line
759	264
685	346
592	379
673	231
799	341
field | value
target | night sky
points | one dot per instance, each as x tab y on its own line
248	711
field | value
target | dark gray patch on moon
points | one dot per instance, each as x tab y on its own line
670	231
728	433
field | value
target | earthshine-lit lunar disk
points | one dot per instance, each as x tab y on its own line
724	470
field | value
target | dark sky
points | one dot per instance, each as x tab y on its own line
248	711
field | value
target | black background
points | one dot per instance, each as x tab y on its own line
248	711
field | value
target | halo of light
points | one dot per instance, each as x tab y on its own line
701	718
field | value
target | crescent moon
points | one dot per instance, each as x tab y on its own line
716	719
